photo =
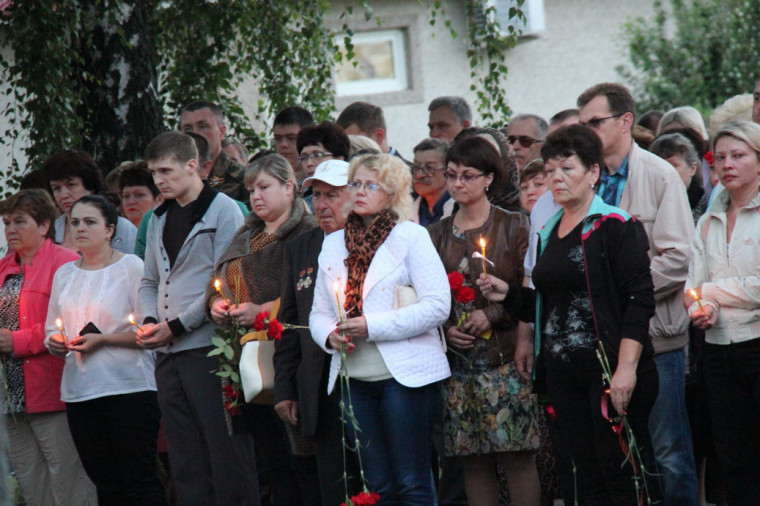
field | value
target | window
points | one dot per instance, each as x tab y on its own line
381	63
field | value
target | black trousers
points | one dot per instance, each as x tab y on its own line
208	465
115	437
575	391
732	375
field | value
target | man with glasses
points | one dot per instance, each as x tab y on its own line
317	144
648	188
429	170
526	134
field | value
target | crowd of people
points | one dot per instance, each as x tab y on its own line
562	309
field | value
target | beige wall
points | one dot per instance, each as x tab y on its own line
579	47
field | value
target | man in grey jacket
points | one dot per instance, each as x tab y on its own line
186	236
648	188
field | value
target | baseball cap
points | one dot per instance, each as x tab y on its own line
332	172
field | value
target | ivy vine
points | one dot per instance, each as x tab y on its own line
102	75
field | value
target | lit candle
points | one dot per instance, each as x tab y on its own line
131	319
696	297
59	324
336	287
218	286
483	252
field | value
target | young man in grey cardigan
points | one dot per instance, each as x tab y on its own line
186	235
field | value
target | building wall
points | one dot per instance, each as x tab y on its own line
580	46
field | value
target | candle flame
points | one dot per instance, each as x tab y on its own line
336	287
482	243
217	284
58	323
694	294
131	318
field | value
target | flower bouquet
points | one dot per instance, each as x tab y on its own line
463	296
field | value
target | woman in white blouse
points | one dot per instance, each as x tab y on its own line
108	381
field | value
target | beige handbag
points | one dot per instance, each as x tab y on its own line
405	296
257	364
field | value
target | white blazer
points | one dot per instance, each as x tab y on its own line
407	337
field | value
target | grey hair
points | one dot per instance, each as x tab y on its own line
433	144
667	145
458	106
541	125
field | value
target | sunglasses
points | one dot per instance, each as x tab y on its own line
524	140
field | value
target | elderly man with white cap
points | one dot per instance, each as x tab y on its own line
301	367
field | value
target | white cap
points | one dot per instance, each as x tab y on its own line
332	172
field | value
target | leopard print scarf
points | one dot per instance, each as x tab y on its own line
362	243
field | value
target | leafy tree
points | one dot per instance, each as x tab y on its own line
712	55
108	75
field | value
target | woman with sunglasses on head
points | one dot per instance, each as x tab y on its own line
594	298
395	361
491	415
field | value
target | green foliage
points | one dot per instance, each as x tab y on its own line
712	54
199	50
488	45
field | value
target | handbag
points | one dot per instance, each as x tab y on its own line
405	296
257	364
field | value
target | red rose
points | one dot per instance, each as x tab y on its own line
550	411
455	280
260	322
232	409
464	294
229	391
274	331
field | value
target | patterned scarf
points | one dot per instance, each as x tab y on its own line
362	243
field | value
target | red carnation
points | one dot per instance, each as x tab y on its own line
455	280
274	331
464	294
232	409
260	322
364	499
550	411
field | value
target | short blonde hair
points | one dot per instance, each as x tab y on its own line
745	131
394	177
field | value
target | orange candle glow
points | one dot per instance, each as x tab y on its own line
218	286
696	297
483	252
131	319
59	324
336	287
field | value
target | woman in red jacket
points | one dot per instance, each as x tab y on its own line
42	452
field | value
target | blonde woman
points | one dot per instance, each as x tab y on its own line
396	359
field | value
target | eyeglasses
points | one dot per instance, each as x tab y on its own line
465	178
525	141
315	156
596	122
426	171
357	185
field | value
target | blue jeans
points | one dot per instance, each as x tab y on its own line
670	432
396	424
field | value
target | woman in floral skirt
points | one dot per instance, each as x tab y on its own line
490	413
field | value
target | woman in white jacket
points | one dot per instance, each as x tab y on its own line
724	276
396	359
